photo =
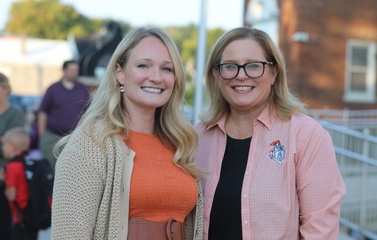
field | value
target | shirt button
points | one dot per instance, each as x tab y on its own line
244	196
246	222
247	173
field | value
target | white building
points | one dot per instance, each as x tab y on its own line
32	64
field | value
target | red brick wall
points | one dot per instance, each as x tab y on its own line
316	68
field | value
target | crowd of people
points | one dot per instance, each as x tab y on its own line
33	134
129	166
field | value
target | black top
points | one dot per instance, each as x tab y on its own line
225	219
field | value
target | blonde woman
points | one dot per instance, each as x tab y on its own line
127	171
272	169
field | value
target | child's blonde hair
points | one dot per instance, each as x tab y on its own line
18	137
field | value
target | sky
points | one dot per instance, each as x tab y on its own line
226	14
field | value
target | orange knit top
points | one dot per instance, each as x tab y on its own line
159	189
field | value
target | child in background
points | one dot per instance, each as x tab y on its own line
16	143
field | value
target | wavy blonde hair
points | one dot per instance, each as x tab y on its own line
108	106
285	103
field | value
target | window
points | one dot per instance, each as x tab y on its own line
360	82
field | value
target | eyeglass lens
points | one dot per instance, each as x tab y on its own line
231	70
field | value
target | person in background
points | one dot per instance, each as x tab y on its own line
128	171
272	170
10	117
15	147
60	109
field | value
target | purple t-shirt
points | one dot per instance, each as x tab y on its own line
64	107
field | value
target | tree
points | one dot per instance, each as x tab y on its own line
186	38
49	19
125	26
53	20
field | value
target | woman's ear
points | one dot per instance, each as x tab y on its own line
119	74
215	72
274	71
273	74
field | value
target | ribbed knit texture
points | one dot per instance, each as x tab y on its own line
160	190
91	190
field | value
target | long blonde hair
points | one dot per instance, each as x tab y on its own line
107	105
284	102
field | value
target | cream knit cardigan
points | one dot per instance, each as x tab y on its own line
92	187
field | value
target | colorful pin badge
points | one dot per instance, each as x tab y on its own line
277	153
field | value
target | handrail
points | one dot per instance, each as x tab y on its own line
357	158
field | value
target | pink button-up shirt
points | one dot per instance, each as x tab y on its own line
290	191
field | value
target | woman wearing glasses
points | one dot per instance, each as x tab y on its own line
272	171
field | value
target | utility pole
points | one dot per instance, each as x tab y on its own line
200	61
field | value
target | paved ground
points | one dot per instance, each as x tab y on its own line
344	236
45	234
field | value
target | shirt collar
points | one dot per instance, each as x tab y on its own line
267	118
220	124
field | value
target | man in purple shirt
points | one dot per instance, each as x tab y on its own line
61	109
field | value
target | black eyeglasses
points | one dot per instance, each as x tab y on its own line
229	71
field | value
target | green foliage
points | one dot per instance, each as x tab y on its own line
181	33
190	94
186	38
53	20
49	19
212	36
124	26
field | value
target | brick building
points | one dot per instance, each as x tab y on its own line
329	46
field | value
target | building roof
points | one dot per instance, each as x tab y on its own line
20	49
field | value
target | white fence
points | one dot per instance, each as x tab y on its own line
357	158
355	119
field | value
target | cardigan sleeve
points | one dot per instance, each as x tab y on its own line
78	188
194	221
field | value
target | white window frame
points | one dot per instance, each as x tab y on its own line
369	95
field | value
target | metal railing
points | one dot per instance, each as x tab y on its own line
356	153
355	119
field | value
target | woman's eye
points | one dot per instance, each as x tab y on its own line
168	69
230	67
253	65
142	66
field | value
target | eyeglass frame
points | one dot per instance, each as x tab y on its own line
218	66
